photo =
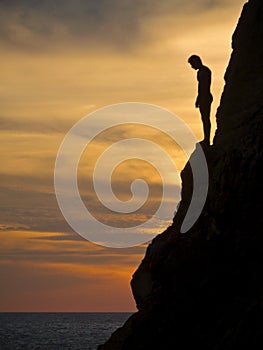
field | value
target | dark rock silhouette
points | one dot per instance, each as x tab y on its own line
204	289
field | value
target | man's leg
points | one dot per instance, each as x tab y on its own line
205	115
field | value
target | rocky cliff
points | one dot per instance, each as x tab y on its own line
204	288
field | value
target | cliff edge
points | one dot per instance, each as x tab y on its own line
204	288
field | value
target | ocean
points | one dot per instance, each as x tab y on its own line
55	331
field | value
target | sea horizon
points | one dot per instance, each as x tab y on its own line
58	329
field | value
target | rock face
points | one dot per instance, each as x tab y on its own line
204	288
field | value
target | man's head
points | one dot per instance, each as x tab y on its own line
195	62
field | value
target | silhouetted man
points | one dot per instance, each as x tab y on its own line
204	97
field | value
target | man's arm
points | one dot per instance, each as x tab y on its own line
204	83
197	101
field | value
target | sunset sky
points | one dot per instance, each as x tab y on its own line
60	61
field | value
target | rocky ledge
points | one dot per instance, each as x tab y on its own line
203	289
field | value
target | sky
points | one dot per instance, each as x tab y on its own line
61	61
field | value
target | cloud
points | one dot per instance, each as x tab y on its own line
35	24
33	126
111	22
57	247
13	227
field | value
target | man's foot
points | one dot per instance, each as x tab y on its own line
205	143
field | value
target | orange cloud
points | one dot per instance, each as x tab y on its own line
52	78
39	273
